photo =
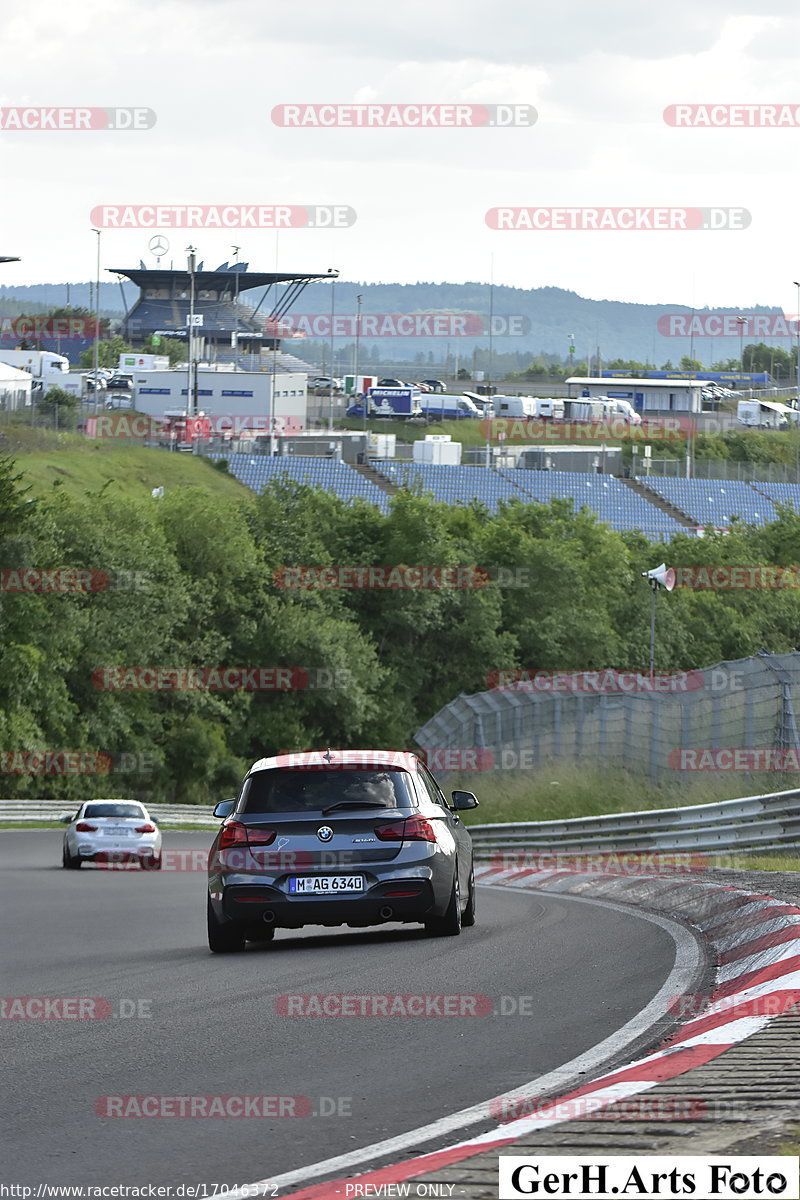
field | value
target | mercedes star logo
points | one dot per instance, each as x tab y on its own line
158	245
324	833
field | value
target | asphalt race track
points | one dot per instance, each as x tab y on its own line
580	972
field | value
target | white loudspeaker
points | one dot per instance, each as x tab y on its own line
663	575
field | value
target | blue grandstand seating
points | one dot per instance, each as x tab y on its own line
716	502
257	470
708	502
780	493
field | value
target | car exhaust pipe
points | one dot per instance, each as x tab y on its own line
387	912
268	917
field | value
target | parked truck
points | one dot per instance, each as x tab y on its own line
444	407
398	403
47	369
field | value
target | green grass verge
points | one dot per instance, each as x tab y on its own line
80	464
558	792
792	1147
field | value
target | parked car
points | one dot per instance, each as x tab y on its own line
390	383
121	380
435	385
344	837
119	400
111	831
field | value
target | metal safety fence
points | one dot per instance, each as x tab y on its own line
736	716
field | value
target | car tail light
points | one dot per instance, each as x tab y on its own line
145	829
234	833
85	827
414	829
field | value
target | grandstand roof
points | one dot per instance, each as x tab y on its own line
239	280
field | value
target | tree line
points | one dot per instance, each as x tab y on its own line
195	583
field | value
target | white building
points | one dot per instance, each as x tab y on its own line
646	395
15	388
225	393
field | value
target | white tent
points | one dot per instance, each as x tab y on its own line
15	388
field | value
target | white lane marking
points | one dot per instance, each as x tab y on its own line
683	973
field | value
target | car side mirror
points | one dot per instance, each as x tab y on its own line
224	808
66	819
154	820
463	801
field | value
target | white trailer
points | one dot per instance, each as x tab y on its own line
550	408
515	407
46	369
585	410
765	414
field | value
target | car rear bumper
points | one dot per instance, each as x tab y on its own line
257	904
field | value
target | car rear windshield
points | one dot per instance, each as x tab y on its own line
113	810
299	789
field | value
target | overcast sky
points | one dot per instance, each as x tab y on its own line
598	76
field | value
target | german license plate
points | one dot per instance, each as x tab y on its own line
325	885
116	833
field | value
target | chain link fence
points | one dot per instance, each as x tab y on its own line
661	728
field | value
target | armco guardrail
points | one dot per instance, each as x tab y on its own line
770	822
753	823
52	810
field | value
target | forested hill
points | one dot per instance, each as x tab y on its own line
549	316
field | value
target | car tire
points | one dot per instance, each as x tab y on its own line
468	915
70	863
223	939
450	924
148	863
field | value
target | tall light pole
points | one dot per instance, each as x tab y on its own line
97	317
741	322
491	328
190	391
797	329
330	389
358	336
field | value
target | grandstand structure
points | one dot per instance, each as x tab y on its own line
164	303
659	507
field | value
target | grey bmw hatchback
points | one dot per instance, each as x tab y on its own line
339	837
